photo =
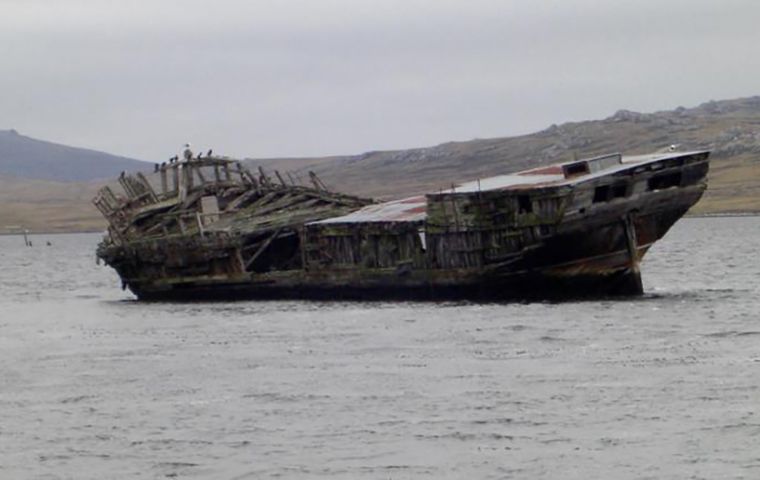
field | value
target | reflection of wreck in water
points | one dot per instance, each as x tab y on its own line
211	229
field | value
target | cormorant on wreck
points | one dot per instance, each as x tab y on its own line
209	153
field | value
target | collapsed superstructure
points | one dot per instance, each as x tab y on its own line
210	229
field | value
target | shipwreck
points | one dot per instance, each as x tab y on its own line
209	228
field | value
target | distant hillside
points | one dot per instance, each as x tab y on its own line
46	206
730	128
25	157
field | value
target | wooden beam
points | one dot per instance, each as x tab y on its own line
148	187
262	248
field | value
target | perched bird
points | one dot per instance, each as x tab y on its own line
200	155
155	168
209	153
187	153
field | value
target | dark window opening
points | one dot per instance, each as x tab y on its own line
601	194
619	191
605	193
500	218
575	169
524	205
665	181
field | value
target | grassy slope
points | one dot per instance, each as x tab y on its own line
46	206
731	129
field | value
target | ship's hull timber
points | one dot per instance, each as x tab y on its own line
600	266
581	237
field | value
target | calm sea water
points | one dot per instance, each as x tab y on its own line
94	385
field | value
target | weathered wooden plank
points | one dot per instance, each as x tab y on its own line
261	249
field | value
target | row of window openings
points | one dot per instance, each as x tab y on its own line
524	205
605	193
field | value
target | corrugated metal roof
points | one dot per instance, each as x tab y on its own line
410	209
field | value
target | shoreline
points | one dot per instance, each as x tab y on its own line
32	233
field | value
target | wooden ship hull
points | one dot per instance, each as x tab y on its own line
212	230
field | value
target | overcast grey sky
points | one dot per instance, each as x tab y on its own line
316	77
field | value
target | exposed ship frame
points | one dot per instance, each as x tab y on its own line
208	228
